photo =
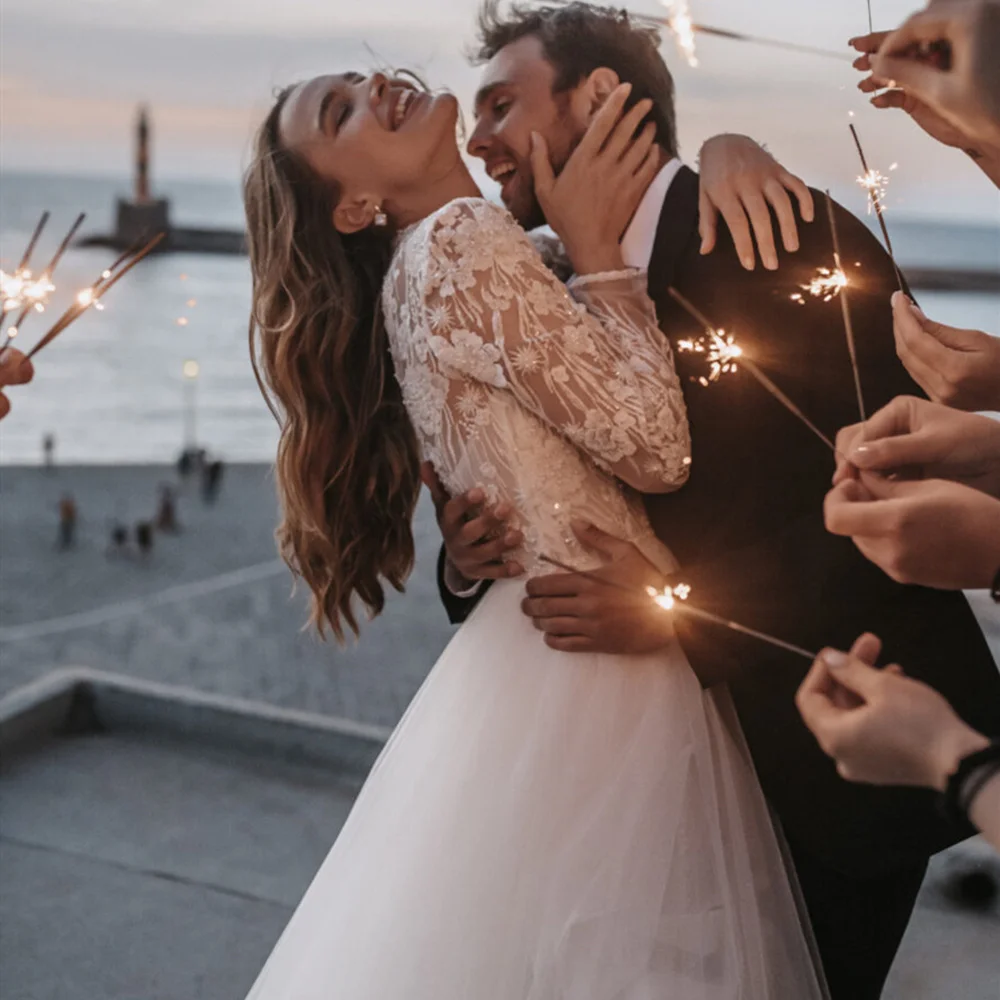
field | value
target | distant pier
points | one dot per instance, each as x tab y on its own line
142	216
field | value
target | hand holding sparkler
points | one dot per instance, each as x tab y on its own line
946	58
916	439
928	532
886	94
882	727
959	368
15	369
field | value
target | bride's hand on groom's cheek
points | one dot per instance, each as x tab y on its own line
610	614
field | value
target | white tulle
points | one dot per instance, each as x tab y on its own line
550	826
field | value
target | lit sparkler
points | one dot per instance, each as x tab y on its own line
89	298
680	23
721	351
675	598
875	182
825	285
845	308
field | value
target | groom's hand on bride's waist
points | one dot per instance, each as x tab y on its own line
477	537
606	611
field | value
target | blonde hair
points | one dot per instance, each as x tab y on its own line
348	464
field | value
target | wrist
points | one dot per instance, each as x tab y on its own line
958	741
595	260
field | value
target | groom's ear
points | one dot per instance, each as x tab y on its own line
597	88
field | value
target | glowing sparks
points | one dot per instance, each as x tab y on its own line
826	285
182	321
669	596
21	290
720	350
875	183
680	23
89	297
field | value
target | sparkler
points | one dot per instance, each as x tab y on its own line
871	28
680	23
722	351
675	599
90	297
684	28
845	308
825	285
875	182
34	293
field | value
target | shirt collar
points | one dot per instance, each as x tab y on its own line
637	243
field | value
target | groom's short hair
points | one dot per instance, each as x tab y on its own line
578	38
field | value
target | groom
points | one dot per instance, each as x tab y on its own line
747	530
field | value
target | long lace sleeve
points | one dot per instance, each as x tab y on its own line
590	361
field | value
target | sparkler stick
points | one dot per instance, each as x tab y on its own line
45	276
674	599
846	309
26	259
871	28
871	182
91	295
675	22
751	367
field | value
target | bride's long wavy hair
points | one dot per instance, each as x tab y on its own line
348	464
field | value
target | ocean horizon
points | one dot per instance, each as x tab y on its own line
111	390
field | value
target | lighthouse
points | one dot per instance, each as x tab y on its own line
142	157
142	216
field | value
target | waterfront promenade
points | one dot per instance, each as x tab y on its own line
243	639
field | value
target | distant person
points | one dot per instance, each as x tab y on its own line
67	521
211	480
144	538
166	514
118	539
15	369
49	450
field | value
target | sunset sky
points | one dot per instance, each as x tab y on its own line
73	71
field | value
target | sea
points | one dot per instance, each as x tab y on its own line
112	389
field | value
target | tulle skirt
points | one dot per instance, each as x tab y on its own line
551	826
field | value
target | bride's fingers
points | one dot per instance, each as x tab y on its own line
562	626
571	643
637	153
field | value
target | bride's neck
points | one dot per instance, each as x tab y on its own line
420	203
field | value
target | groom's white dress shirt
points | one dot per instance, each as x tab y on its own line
637	251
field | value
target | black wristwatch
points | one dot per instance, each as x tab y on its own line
968	779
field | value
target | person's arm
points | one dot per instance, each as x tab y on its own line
884	728
594	366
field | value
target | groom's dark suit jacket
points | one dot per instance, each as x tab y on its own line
748	532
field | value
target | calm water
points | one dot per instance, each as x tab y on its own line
111	389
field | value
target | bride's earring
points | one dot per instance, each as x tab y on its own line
381	220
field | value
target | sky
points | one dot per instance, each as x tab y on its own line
73	71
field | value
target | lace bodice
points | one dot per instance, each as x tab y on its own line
560	400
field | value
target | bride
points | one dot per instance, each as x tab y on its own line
540	825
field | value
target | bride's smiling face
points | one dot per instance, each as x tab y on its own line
377	140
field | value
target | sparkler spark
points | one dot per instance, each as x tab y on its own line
875	183
680	23
720	350
669	596
826	285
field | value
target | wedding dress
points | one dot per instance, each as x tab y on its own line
544	825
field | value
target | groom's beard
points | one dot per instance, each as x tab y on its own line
523	204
